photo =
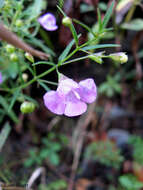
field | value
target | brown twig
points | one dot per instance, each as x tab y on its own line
12	38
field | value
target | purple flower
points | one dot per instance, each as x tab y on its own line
1	78
48	21
71	97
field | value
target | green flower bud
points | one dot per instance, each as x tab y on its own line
25	77
29	57
13	57
67	21
9	48
27	107
96	58
119	57
19	23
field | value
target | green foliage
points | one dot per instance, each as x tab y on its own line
49	151
111	86
55	185
4	135
136	24
130	182
105	152
137	143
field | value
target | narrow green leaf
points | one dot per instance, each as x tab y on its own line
61	11
75	36
44	86
99	20
30	99
60	3
48	82
1	3
84	26
14	98
40	44
4	134
107	16
44	62
5	105
100	46
67	49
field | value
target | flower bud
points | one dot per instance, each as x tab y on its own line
27	107
19	23
13	57
96	58
29	57
25	77
67	21
119	57
10	48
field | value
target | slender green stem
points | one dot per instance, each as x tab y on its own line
48	82
77	59
35	79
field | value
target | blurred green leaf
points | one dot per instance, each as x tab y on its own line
67	50
98	46
74	33
44	62
107	16
136	24
4	134
130	182
13	100
5	105
44	85
1	3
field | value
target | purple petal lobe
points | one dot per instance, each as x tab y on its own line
1	78
48	21
74	106
87	90
54	102
65	86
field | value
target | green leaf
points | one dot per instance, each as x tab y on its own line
35	9
136	25
40	44
99	20
107	16
100	46
44	85
5	105
1	3
64	14
84	26
130	182
48	82
75	36
67	50
44	62
4	134
30	99
60	3
14	98
54	159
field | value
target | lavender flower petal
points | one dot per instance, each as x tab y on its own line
54	102
87	90
65	86
48	21
74	106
